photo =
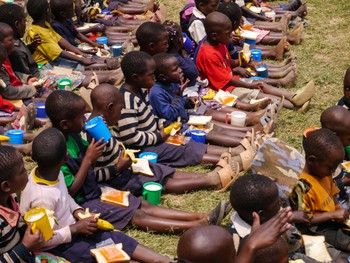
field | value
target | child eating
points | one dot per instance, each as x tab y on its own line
74	237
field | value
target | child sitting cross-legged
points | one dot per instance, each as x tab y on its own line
215	64
74	237
17	242
66	111
317	193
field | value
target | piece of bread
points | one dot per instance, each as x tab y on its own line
199	120
142	167
315	248
110	254
115	197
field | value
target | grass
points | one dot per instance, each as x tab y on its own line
323	57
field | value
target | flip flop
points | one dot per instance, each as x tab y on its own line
216	216
228	174
304	94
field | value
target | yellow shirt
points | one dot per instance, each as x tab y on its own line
49	49
319	198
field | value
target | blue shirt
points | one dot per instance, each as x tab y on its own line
66	30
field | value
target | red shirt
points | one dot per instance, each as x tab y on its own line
13	78
214	64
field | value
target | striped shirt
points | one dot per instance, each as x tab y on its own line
12	228
138	126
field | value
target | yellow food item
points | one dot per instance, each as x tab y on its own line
130	153
176	126
210	95
101	224
4	138
31	33
112	254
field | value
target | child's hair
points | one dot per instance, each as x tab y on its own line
232	11
321	144
161	59
10	14
135	62
174	31
60	5
9	162
251	193
4	27
201	1
214	22
149	32
205	244
62	105
49	148
334	117
37	8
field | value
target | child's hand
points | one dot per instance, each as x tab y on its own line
36	41
340	215
33	242
99	45
265	235
94	150
242	72
86	226
32	80
87	61
123	162
183	85
164	135
194	100
303	217
257	85
99	28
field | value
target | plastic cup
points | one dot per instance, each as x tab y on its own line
188	44
256	54
198	136
152	192
238	118
16	136
37	217
271	14
262	71
41	113
150	156
64	82
250	41
116	50
98	129
102	40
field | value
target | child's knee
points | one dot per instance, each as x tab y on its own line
145	205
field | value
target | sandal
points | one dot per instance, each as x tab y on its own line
216	216
305	107
304	94
228	175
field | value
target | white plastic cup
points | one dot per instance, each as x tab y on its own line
271	14
238	118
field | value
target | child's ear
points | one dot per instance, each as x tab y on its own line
161	77
16	24
64	124
312	160
62	13
5	187
151	46
214	36
135	77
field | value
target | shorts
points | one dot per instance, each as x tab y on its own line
245	95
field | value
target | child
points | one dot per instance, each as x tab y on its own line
213	244
53	47
66	111
152	38
63	24
17	242
108	102
345	101
21	58
317	193
215	64
74	237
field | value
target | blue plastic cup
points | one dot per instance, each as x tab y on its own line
116	50
256	54
150	156
98	129
16	136
198	136
188	43
263	71
250	41
102	40
41	113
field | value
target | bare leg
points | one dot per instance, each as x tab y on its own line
145	254
287	81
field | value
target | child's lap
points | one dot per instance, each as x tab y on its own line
118	216
245	94
134	182
334	235
78	250
179	156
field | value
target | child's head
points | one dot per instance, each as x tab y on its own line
232	11
62	9
13	175
6	37
38	9
49	149
323	153
337	119
3	54
167	69
66	111
255	193
206	6
14	16
138	68
108	101
218	28
152	38
175	39
206	244
347	85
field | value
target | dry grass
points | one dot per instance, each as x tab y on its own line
323	57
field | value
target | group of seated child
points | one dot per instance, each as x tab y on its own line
164	86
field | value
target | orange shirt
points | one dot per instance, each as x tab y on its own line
320	196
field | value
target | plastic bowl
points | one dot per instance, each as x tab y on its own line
102	40
64	82
198	136
150	156
41	113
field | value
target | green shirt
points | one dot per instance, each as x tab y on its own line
74	152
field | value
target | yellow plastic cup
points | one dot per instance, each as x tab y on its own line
37	217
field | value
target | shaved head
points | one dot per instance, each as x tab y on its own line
206	244
103	94
215	22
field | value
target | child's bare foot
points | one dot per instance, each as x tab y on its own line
291	59
280	48
294	37
262	104
282	73
283	24
288	80
256	116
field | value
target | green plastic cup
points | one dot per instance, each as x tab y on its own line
64	82
152	192
347	150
